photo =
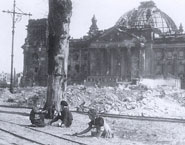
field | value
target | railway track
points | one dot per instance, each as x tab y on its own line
36	130
21	137
141	118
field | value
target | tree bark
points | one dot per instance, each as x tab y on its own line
58	25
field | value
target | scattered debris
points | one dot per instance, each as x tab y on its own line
25	97
163	101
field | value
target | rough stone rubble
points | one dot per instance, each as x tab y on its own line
127	100
132	100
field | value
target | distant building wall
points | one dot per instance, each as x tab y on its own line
4	79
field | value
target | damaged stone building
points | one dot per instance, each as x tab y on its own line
35	54
144	43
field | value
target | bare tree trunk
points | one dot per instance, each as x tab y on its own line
58	21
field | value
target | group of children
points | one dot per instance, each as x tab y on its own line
97	125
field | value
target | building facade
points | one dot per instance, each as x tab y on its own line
144	43
4	79
35	54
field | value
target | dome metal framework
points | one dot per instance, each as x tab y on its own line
148	15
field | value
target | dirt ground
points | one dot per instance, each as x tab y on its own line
14	130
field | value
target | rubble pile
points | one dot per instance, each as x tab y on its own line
131	100
104	99
25	97
163	101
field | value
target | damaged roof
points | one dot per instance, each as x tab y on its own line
147	14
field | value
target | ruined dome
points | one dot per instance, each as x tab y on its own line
147	14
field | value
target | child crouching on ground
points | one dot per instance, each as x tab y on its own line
65	115
102	129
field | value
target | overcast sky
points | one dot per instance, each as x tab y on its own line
107	13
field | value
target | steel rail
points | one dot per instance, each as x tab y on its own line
131	117
141	118
59	137
21	137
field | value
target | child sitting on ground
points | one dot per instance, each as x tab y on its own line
37	116
102	129
65	115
